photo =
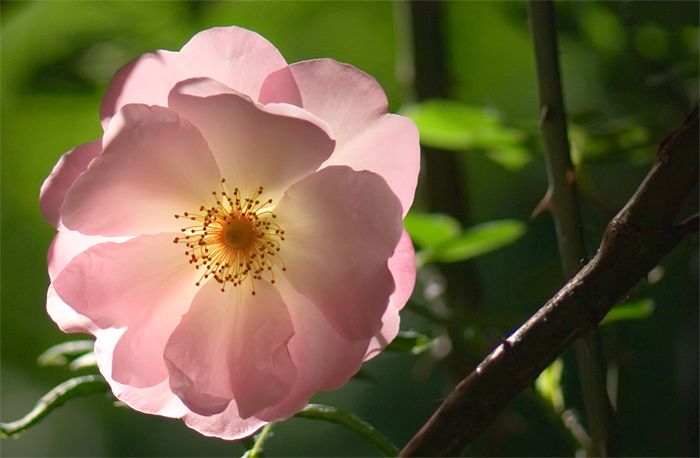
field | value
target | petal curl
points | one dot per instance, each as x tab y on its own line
389	147
156	399
341	227
65	317
67	244
324	358
69	167
226	425
355	107
64	247
154	165
116	286
254	145
402	265
232	346
236	57
348	99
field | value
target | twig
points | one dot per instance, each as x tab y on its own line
633	243
567	220
256	451
350	421
84	385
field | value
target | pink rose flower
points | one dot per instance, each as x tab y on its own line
234	241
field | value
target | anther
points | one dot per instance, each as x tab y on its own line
233	240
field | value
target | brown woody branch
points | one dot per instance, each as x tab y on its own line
633	243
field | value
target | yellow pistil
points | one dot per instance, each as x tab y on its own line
233	240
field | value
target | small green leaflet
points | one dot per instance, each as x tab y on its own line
410	342
548	385
61	354
635	310
430	229
454	126
441	238
478	240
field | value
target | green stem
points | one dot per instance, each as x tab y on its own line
78	386
567	219
260	438
352	422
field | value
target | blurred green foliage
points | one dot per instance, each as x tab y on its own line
454	126
630	74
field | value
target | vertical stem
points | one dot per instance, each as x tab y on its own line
567	219
260	439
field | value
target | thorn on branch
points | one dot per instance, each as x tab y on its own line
505	342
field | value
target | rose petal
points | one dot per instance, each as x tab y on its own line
156	399
402	265
341	227
232	345
67	244
154	165
403	268
388	147
355	107
324	358
115	285
65	317
343	96
254	145
236	57
225	425
54	189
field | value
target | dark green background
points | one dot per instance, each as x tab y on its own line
630	74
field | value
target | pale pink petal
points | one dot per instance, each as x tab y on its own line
54	189
67	244
254	145
232	345
325	359
403	268
65	317
355	107
341	227
348	99
388	147
154	165
280	87
402	265
116	285
236	57
226	425
156	399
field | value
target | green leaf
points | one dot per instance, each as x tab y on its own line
352	422
428	229
410	342
510	157
548	385
61	354
88	360
78	386
478	240
451	125
635	310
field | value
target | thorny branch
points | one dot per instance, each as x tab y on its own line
641	234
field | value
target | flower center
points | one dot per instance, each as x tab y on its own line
234	240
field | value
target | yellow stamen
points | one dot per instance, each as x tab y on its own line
233	240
